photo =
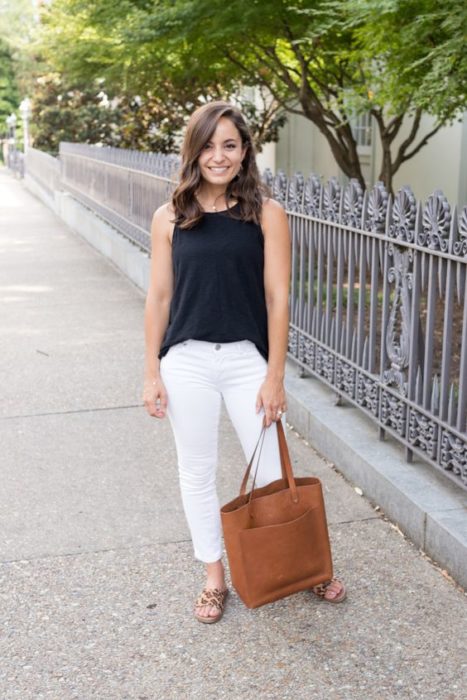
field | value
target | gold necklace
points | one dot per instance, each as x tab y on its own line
213	206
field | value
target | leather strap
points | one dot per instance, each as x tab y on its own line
286	466
285	461
248	469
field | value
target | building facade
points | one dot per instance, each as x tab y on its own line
440	164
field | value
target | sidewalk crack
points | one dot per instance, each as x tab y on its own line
71	411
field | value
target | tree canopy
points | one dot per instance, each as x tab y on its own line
9	94
328	60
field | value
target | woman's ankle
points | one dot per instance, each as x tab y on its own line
215	574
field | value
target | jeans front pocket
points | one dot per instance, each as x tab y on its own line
178	347
248	348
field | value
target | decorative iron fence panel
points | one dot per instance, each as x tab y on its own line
122	186
378	296
378	308
44	168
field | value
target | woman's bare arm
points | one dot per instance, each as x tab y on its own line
277	261
158	298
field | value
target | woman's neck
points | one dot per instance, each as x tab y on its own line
212	197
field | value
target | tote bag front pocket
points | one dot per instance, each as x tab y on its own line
279	560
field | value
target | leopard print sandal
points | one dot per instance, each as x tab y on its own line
322	588
215	598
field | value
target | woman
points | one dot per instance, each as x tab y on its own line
216	323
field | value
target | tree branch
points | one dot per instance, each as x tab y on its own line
338	135
393	128
280	70
271	52
422	143
327	77
401	153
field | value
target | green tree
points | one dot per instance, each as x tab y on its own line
328	60
84	112
70	112
9	96
417	54
83	41
18	22
426	55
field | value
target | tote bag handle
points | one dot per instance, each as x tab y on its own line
286	466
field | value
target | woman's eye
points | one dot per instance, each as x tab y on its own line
228	146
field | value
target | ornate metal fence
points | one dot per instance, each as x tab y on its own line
123	186
378	308
378	301
43	168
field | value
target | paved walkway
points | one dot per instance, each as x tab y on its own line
97	578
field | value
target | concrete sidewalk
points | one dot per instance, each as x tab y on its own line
97	578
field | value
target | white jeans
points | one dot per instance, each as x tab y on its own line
197	374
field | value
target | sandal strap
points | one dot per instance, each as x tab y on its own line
321	588
213	597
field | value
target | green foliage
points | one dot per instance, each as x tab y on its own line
396	54
83	113
18	21
67	113
327	60
130	49
9	96
420	50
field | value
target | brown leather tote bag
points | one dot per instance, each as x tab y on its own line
276	536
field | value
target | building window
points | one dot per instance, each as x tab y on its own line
362	130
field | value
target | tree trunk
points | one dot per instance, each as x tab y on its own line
340	139
386	172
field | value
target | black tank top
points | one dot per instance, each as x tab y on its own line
218	283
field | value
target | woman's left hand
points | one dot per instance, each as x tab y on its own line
271	397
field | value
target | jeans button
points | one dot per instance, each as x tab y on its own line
217	347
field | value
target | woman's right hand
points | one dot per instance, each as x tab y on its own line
155	397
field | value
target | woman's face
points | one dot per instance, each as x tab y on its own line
221	157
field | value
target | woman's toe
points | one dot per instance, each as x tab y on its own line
202	611
206	611
333	590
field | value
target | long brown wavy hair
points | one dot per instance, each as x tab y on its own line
246	187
